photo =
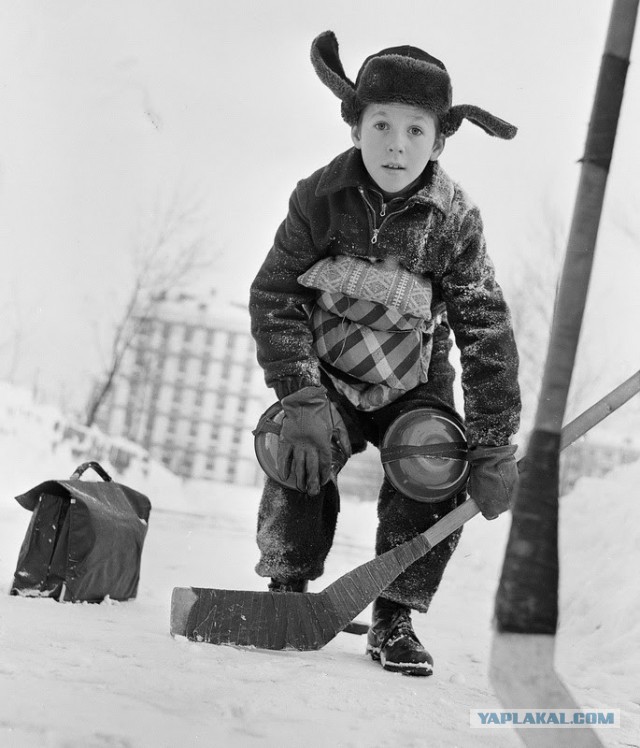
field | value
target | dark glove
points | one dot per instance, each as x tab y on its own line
493	478
304	450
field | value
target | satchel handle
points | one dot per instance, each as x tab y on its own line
96	466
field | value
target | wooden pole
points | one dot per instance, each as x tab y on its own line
526	613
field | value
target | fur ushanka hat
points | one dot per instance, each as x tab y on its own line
404	75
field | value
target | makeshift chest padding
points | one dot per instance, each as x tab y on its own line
84	541
373	322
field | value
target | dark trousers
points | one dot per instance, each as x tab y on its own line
296	531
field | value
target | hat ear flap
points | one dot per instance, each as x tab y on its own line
326	62
488	122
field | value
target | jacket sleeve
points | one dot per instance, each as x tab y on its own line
481	325
279	321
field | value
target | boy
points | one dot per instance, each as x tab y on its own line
386	212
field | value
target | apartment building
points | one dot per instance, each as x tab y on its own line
190	390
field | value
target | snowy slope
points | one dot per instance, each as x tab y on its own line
92	676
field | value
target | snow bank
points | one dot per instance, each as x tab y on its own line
599	639
92	676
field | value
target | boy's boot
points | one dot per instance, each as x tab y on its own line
288	585
392	641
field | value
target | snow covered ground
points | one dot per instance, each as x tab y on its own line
110	675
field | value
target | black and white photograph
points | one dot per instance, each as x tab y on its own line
319	374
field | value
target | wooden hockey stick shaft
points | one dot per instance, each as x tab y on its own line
600	410
526	601
570	434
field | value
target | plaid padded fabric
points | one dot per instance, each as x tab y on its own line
368	313
370	342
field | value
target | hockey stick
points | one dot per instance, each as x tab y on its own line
309	620
522	659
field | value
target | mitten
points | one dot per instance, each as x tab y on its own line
304	449
493	478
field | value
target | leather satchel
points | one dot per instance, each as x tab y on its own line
84	541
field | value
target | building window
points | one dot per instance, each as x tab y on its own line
187	459
231	341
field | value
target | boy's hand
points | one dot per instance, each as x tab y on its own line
493	478
304	450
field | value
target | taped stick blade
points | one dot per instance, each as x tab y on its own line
294	620
265	620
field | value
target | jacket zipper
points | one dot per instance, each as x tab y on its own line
383	214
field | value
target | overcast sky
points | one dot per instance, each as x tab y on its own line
106	104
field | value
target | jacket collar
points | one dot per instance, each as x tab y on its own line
348	170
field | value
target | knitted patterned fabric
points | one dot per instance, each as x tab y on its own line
360	279
371	337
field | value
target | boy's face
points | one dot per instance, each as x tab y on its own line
397	142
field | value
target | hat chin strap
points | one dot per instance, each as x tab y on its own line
491	124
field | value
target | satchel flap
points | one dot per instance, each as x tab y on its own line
107	494
29	500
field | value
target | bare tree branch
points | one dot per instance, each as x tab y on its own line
170	251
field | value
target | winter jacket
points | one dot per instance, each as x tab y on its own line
438	233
